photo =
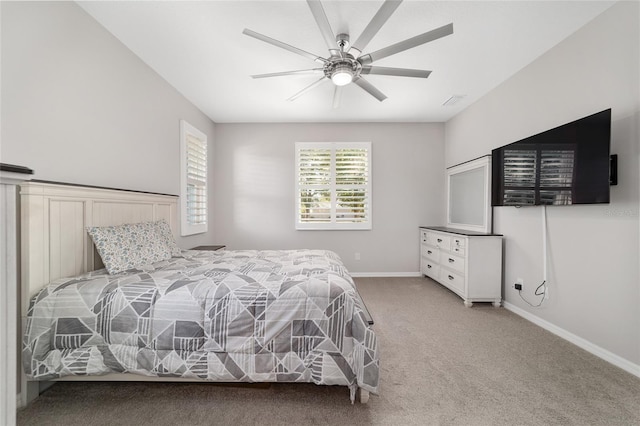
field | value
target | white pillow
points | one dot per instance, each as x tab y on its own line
130	246
164	231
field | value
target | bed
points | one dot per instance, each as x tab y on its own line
219	316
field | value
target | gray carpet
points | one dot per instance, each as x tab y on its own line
441	364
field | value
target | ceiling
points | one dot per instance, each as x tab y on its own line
199	48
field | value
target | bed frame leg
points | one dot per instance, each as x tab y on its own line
364	396
29	392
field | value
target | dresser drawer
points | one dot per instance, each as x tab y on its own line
431	253
458	250
451	261
439	240
458	245
458	242
430	269
452	280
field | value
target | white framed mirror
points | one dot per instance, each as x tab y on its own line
469	195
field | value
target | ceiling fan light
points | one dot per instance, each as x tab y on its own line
342	75
342	78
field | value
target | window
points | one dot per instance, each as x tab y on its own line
193	179
333	185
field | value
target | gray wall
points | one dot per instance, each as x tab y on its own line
593	249
254	174
79	107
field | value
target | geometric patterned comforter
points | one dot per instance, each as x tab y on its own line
224	316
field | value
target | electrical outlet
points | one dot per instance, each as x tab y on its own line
357	255
518	284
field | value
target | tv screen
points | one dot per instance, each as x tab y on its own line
565	165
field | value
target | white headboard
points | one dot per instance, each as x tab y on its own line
54	217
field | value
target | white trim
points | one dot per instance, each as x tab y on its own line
593	349
385	274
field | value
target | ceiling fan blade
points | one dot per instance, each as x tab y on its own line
306	89
368	87
398	72
325	28
283	73
337	96
385	11
407	44
282	45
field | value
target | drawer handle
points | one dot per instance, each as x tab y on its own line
439	240
451	277
428	266
429	252
451	260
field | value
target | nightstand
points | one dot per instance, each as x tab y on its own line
209	248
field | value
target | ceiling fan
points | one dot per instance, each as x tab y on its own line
346	63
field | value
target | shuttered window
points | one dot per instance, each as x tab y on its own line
193	150
539	175
333	185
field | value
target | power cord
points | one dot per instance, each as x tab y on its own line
542	286
537	293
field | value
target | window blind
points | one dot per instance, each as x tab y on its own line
196	180
193	181
333	185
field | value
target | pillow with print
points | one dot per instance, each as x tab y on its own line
129	246
164	232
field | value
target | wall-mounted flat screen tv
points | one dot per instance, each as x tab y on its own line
569	164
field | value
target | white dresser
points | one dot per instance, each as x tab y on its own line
466	262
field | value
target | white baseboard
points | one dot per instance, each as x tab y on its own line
384	274
596	350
